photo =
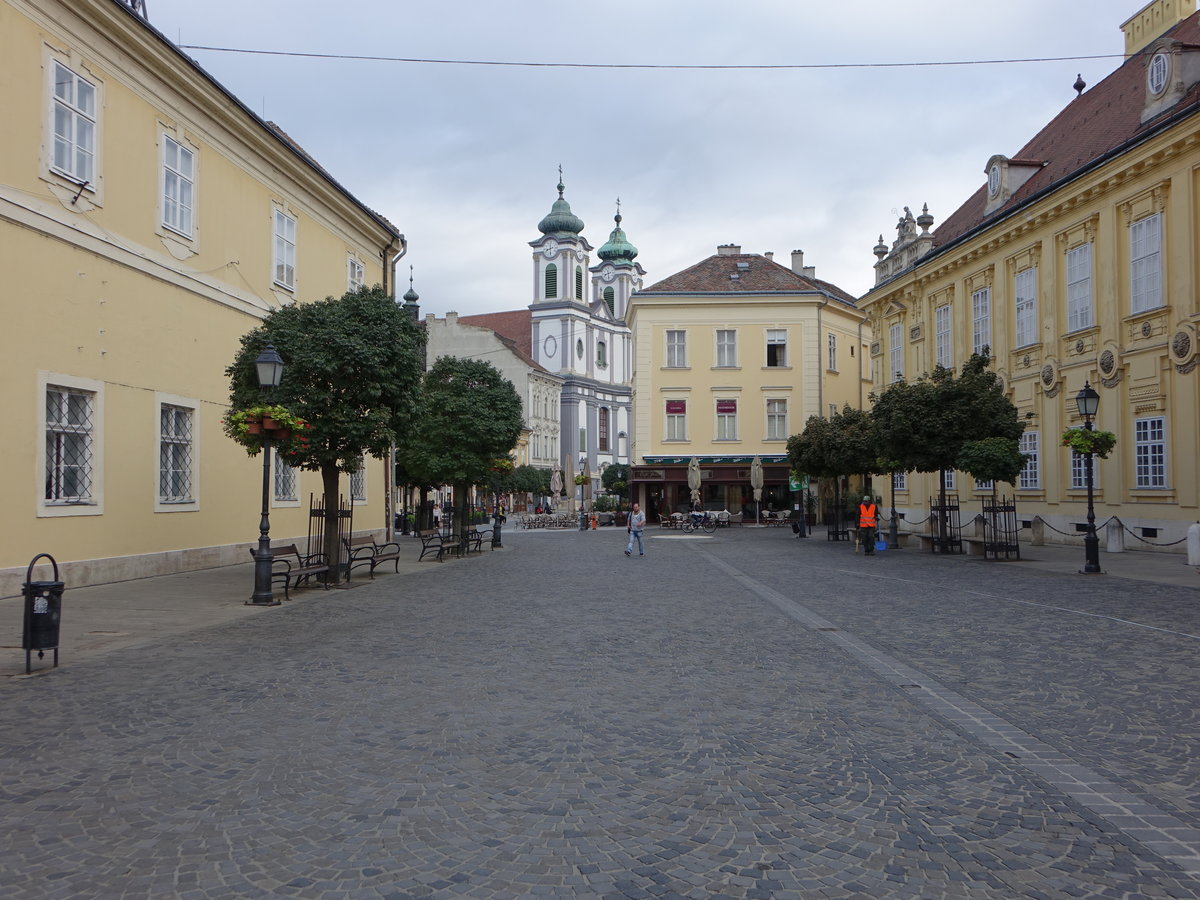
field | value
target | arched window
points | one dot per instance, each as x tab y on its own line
551	281
610	300
601	354
602	427
579	282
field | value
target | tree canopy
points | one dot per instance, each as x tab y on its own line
468	416
924	425
843	444
615	479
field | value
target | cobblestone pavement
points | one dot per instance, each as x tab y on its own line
744	715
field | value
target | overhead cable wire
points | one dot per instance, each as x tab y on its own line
570	65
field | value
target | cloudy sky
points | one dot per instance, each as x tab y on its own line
464	158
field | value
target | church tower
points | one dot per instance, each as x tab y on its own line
617	276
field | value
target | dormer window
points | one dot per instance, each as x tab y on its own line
1158	74
994	179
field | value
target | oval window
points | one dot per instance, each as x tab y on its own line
1157	73
579	348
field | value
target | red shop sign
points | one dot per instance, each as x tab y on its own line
726	406
676	407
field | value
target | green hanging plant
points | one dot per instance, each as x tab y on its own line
1081	440
288	432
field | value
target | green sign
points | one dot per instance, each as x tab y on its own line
797	482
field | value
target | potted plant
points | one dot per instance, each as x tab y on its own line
286	430
1083	440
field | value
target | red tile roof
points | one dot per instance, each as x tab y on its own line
1093	125
514	327
754	274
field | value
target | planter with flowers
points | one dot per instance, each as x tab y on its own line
1081	440
287	431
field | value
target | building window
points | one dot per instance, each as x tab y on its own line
602	428
777	420
69	426
285	481
1030	478
358	482
676	349
984	485
727	420
1145	263
285	250
1079	288
179	179
551	281
175	454
896	352
726	348
677	420
900	481
831	347
1079	470
1150	448
601	354
776	348
1025	285
610	300
354	274
950	479
981	320
578	283
74	126
944	345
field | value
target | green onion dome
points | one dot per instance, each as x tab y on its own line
617	248
560	219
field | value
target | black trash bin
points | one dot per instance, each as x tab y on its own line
43	613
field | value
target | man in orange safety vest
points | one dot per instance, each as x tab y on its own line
868	516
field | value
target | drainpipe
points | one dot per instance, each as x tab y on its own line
389	473
821	359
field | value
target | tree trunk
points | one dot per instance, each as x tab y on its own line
462	503
330	477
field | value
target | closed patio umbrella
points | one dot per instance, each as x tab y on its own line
756	482
694	479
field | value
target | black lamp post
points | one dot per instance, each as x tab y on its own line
582	511
270	373
893	525
1088	401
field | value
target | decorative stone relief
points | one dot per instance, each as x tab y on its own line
1183	350
914	333
1107	363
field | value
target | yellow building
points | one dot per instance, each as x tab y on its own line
731	357
1076	263
148	219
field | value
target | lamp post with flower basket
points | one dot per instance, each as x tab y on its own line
1089	442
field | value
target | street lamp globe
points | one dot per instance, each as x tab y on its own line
270	367
1087	401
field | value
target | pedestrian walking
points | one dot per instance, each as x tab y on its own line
868	516
637	524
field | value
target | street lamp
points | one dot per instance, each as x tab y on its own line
270	373
582	511
1088	401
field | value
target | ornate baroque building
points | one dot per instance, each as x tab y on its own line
1075	262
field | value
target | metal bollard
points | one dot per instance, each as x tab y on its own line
43	613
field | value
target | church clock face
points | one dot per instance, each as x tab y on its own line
579	255
550	345
608	275
550	250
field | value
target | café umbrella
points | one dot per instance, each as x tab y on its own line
694	479
756	482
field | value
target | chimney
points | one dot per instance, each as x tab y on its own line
451	318
1154	20
729	249
797	261
770	254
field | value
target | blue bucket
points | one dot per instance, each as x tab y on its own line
881	545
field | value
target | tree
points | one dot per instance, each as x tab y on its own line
615	479
468	417
351	369
844	444
532	480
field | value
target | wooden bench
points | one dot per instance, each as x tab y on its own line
293	568
364	551
433	542
475	538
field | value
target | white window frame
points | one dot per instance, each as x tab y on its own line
943	323
601	354
358	484
190	448
777	428
285	483
1079	288
981	319
726	344
74	125
676	424
1030	478
1145	263
1025	307
283	257
984	485
355	273
726	423
896	352
831	348
178	187
676	348
900	482
94	504
777	337
1078	464
1150	452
